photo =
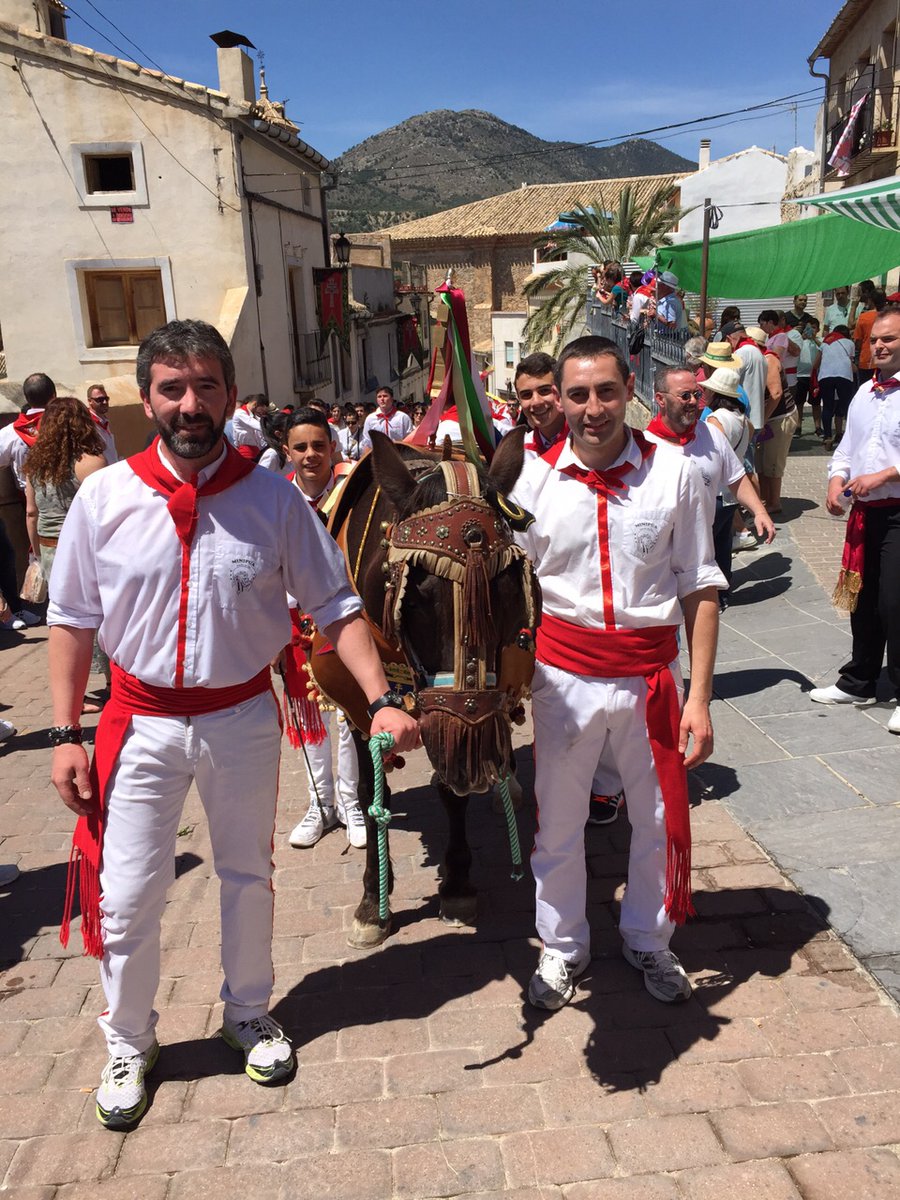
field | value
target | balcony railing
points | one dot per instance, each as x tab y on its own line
875	124
313	361
659	347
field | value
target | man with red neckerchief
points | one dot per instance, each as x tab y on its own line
181	556
622	547
539	401
865	472
387	418
98	405
753	370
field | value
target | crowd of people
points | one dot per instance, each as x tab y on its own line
632	541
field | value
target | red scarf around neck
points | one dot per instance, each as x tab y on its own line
658	427
27	426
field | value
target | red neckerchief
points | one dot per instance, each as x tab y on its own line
182	495
602	483
746	342
101	421
386	417
834	337
27	426
658	427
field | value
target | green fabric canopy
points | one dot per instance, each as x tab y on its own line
875	203
809	255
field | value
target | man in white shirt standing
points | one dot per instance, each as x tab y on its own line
622	547
865	472
174	555
838	312
387	418
753	370
246	426
98	403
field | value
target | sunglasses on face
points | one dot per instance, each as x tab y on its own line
545	389
697	394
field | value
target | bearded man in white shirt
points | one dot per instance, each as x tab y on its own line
865	471
173	555
622	546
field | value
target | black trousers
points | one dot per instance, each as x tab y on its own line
836	395
876	622
9	587
723	532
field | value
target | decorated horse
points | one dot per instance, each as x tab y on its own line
453	606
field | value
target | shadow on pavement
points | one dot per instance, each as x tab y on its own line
747	681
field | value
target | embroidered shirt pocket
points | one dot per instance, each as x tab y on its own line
237	572
647	533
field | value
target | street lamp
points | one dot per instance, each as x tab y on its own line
342	249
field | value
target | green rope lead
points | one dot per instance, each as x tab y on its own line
379	743
514	847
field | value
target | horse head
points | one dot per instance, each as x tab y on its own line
461	598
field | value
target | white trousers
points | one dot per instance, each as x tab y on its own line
233	757
577	718
320	770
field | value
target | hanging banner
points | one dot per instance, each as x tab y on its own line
408	340
843	151
333	304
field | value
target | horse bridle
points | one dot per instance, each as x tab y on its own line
466	541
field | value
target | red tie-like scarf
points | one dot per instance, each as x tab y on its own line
658	427
27	426
101	421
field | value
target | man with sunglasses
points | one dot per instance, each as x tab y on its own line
539	401
679	403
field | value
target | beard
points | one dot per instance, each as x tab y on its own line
190	437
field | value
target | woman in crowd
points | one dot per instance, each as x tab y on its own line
834	371
68	448
273	425
728	413
418	415
808	340
354	443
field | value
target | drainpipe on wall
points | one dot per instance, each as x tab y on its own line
827	78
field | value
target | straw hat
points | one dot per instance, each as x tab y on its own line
724	382
757	334
719	354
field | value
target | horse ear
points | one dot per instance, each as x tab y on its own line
506	465
391	474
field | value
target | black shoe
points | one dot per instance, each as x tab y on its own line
603	810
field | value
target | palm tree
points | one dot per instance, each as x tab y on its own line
599	232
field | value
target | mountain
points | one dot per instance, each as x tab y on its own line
439	159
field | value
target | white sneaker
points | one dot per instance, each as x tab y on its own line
553	983
834	695
7	730
743	541
352	818
122	1096
664	976
9	873
313	825
894	722
268	1056
25	618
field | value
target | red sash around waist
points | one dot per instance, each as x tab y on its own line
853	556
129	697
646	653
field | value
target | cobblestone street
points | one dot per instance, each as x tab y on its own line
423	1072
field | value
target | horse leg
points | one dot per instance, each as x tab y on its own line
368	929
459	899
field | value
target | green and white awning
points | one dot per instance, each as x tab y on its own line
874	203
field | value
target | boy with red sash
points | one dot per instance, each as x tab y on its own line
175	555
865	472
622	546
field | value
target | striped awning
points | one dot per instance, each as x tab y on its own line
874	203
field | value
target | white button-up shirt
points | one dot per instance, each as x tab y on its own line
118	568
396	424
708	452
871	441
656	540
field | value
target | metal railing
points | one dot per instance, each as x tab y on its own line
875	125
660	346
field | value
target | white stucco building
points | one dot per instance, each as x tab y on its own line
747	186
131	198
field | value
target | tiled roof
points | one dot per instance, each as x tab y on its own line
525	212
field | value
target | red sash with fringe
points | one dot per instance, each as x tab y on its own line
129	697
302	719
853	556
627	653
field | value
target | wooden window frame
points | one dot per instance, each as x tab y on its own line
128	279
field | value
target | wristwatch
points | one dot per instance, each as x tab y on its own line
64	735
388	700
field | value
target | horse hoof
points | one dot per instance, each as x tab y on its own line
459	910
366	937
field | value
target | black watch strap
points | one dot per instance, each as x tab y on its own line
388	700
64	735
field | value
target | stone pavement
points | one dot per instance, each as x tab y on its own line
422	1071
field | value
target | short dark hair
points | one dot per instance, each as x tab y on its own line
95	387
664	370
178	341
38	390
590	346
879	299
256	398
349	408
768	314
383	387
635	278
535	364
317	404
844	329
307	416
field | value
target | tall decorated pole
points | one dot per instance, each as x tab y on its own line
459	391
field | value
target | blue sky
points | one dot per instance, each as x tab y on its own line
599	69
